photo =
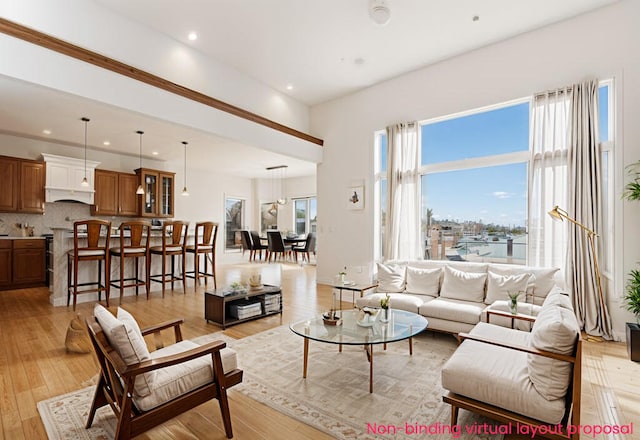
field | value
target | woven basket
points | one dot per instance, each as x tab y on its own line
77	339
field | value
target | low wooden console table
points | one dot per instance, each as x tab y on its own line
219	302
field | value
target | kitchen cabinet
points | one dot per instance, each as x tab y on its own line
29	263
65	176
115	194
9	178
22	263
159	191
22	182
5	263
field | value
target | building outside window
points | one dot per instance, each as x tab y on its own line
306	215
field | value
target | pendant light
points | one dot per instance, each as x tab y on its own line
140	190
184	190
281	175
85	182
282	200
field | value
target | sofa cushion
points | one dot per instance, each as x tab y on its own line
453	310
176	380
559	298
423	281
125	337
541	283
556	330
498	375
391	278
465	286
401	301
500	286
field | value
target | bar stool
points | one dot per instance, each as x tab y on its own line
205	244
134	243
174	237
93	251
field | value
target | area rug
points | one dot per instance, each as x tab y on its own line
334	398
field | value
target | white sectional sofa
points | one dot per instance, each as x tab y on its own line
455	295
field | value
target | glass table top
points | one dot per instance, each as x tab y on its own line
401	325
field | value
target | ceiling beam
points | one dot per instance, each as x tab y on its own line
55	44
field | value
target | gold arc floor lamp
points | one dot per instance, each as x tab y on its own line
560	214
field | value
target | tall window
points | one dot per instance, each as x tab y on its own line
306	215
474	183
234	213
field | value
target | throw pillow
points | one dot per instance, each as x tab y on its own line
126	339
390	278
500	286
463	286
555	329
423	281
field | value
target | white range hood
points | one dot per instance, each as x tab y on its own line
64	178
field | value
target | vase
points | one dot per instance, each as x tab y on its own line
386	315
513	307
343	278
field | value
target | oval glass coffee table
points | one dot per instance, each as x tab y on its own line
402	325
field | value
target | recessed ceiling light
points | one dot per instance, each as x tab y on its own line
106	143
289	87
193	36
45	131
155	153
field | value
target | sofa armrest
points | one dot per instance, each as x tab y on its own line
526	349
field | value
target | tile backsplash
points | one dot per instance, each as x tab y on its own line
57	215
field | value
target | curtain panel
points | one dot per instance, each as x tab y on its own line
402	227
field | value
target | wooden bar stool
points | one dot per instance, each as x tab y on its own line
95	231
174	237
205	245
134	243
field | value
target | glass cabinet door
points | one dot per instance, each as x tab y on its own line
150	194
166	208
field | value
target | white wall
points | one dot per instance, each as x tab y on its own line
600	44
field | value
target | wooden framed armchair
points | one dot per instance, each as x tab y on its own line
146	389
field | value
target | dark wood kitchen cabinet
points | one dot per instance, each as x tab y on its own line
158	198
29	263
115	194
22	182
5	263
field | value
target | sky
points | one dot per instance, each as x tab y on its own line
495	194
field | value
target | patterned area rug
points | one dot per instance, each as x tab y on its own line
406	402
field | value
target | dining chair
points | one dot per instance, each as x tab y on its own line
306	248
246	242
276	245
257	246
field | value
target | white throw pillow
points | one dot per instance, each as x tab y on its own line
126	339
500	286
423	281
390	278
463	286
555	329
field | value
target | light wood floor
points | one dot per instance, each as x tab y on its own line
34	364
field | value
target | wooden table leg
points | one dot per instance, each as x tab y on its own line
410	346
370	368
306	357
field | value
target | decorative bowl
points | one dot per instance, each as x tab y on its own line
331	318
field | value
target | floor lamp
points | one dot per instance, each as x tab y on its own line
560	214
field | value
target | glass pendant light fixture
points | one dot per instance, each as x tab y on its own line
85	182
140	190
185	192
281	176
282	200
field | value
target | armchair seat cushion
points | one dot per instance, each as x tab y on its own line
176	380
499	376
453	310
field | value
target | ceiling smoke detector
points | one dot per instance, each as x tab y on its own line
379	12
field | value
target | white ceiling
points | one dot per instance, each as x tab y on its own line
324	48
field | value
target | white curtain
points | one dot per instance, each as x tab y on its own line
403	185
548	177
585	205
